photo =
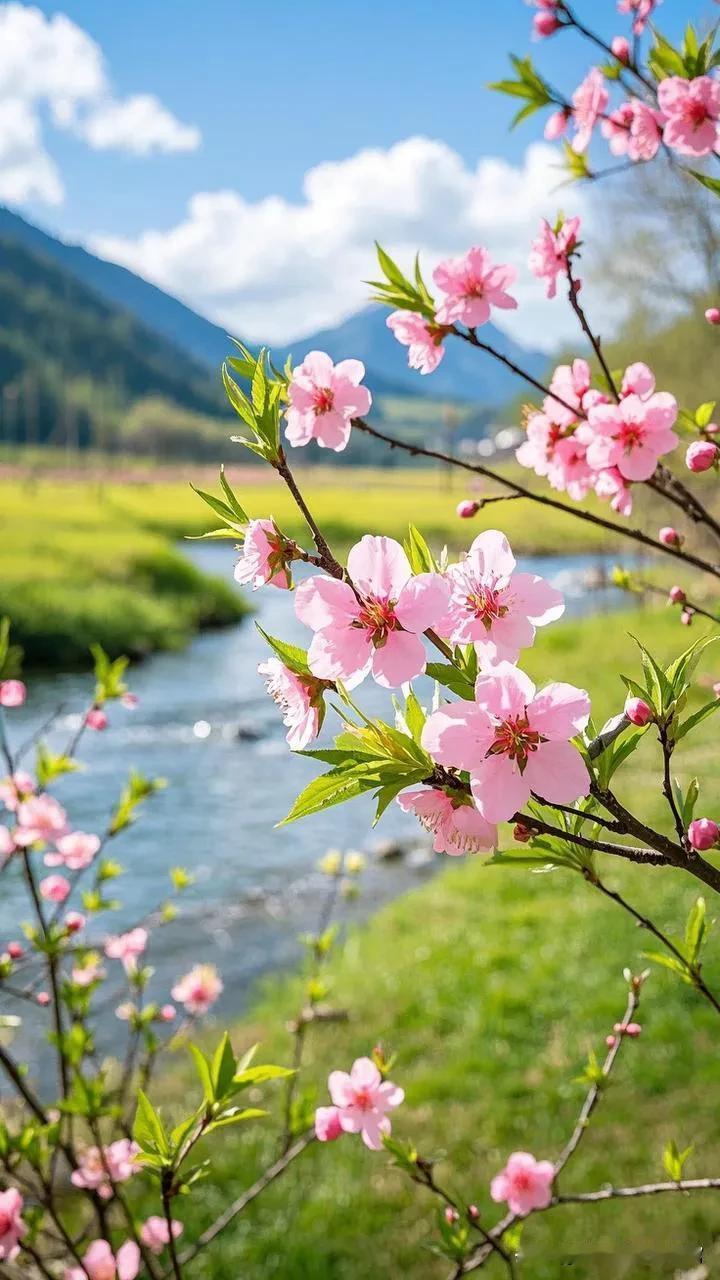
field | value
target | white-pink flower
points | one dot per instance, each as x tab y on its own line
15	789
100	1263
12	693
570	387
12	1227
7	843
634	130
494	607
633	434
472	285
641	11
324	398
457	826
98	1169
155	1234
513	741
589	102
692	110
615	489
363	1099
74	851
199	989
375	626
423	337
550	252
83	975
300	699
524	1184
127	947
327	1124
264	556
40	819
54	888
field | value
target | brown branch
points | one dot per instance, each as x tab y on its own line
326	556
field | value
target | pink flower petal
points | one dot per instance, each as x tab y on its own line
379	567
422	601
400	659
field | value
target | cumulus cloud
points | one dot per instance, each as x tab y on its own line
49	65
276	269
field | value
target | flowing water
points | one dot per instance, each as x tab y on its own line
205	723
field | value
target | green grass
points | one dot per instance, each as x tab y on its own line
491	984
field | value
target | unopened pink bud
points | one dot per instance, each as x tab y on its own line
670	537
473	1212
12	693
74	921
712	315
633	1029
467	509
451	1215
676	595
15	950
701	455
43	998
556	125
96	719
638	711
168	1012
687	616
703	834
610	1041
621	48
712	428
545	24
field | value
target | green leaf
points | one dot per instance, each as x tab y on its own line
658	685
391	270
696	718
704	413
220	508
248	1076
238	399
293	657
449	676
414	716
671	963
259	384
418	552
203	1069
674	1161
695	931
148	1129
712	184
223	1067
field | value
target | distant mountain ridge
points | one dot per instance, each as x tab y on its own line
464	375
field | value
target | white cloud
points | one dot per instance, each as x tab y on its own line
50	65
274	269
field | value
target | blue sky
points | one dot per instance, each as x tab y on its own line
246	163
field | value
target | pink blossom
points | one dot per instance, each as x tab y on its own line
632	1029
155	1235
96	719
712	315
74	851
556	125
54	888
127	947
457	826
641	9
571	393
363	1099
546	23
513	741
670	537
472	285
40	819
676	595
638	379
265	556
12	693
15	950
616	128
327	1124
525	1183
544	432
324	398
589	101
646	131
701	455
88	972
167	1013
7	843
633	434
494	607
300	699
692	108
43	998
550	252
98	1169
638	711
687	616
467	509
12	1227
610	485
375	626
199	989
423	338
620	46
703	834
15	789
100	1263
74	921
556	450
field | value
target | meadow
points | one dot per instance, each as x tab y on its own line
491	984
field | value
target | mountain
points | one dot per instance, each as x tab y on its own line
205	341
66	354
465	374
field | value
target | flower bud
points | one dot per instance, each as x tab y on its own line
74	921
712	315
12	693
633	1029
703	834
701	455
15	950
638	711
96	719
556	125
43	998
670	537
621	48
473	1212
167	1013
610	1041
687	616
676	595
545	24
712	428
467	509
451	1215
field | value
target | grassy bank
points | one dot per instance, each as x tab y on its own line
75	568
491	984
